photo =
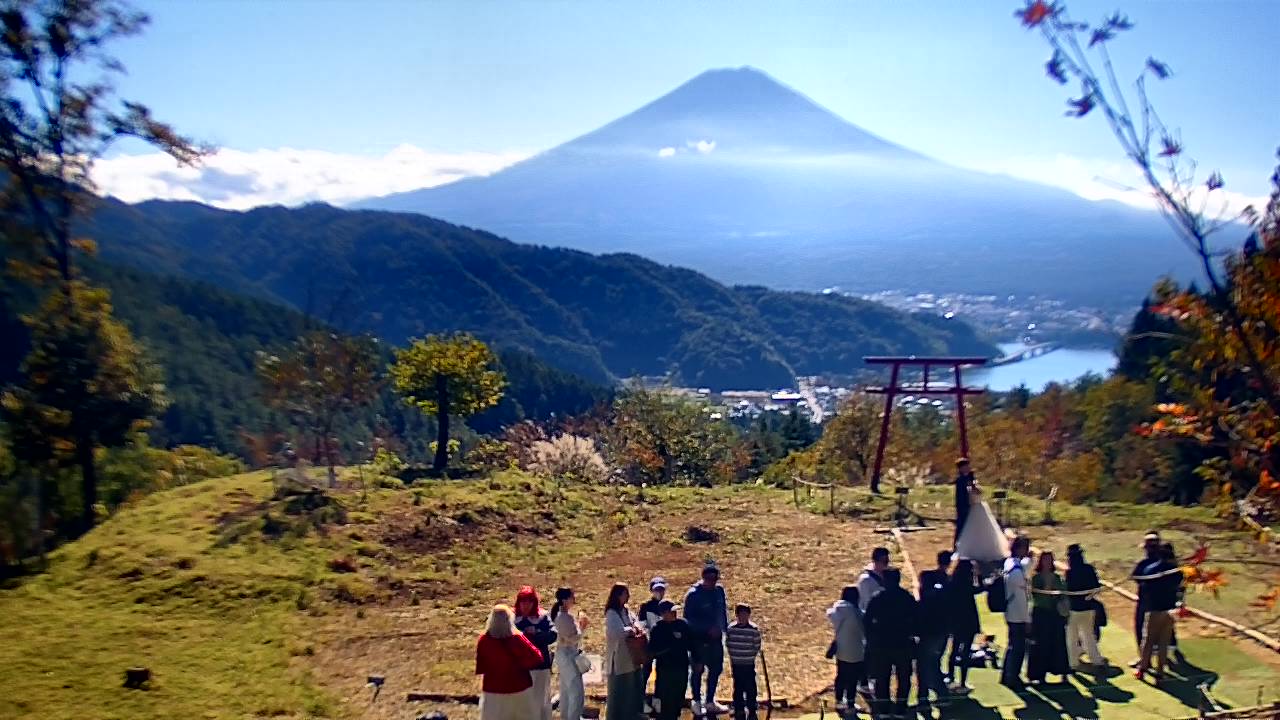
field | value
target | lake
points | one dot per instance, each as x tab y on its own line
1062	365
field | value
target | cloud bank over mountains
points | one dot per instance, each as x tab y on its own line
238	180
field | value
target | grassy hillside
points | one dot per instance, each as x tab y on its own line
600	316
245	606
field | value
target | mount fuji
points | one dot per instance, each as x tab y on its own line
741	177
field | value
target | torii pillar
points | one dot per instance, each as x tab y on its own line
895	388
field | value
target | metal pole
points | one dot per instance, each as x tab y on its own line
964	432
884	427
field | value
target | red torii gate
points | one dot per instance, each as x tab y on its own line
893	389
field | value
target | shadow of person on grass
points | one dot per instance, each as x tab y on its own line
1056	700
1183	681
1098	683
966	708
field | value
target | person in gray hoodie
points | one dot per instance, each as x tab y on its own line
848	647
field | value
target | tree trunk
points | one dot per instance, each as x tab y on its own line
89	483
442	425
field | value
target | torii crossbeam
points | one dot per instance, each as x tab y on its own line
895	388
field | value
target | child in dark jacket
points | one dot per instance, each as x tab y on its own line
536	626
742	641
673	648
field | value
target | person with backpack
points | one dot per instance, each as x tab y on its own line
1011	594
706	609
933	631
962	617
672	648
891	621
1081	635
536	625
848	647
569	665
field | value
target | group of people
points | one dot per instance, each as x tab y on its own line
675	644
882	634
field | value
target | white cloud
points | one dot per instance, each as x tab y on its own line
1096	179
666	152
704	147
239	180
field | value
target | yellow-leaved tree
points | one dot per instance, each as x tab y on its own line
447	375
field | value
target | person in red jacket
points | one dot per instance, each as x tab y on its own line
503	660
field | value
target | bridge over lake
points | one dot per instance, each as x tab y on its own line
1025	353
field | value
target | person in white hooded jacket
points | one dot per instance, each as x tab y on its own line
849	646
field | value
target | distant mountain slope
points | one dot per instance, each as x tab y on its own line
206	342
602	317
741	177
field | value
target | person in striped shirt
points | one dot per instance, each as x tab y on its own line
742	641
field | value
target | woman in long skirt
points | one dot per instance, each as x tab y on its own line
569	628
1049	612
625	695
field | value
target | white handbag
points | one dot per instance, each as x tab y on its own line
582	662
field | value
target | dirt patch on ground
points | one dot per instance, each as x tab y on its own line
788	564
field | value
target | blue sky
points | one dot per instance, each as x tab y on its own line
471	85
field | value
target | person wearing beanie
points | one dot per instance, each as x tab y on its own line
536	625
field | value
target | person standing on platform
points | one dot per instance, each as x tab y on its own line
965	483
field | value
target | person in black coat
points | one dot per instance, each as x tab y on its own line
891	622
964	485
673	649
962	613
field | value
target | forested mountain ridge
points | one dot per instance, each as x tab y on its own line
206	340
599	316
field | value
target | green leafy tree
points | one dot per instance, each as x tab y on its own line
848	443
84	381
321	379
447	375
85	385
659	437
